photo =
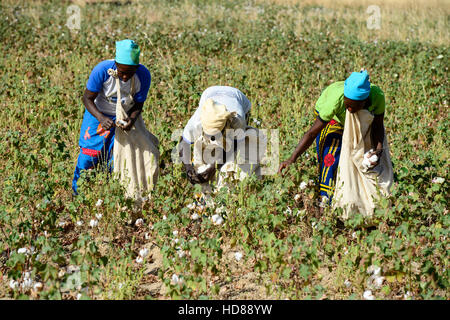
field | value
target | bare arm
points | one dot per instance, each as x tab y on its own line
184	152
377	136
133	114
304	143
88	101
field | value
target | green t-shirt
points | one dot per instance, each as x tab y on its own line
330	104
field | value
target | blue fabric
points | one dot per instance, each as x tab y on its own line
127	52
96	147
99	76
145	78
357	86
328	146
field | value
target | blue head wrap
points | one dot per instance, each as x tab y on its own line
357	86
127	52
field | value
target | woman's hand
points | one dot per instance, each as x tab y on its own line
127	126
284	165
208	174
106	123
377	153
193	177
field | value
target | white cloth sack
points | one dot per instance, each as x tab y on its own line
358	187
239	167
136	154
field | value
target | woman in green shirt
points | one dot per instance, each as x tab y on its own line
353	94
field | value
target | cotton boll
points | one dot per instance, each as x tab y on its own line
438	180
297	197
38	286
176	279
238	256
303	185
99	203
373	158
219	221
139	259
407	295
367	295
27	284
99	216
181	253
378	282
93	223
195	216
367	161
347	283
80	223
139	222
288	211
373	269
143	252
204	168
191	206
23	251
13	284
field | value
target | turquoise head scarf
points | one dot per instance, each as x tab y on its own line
127	52
357	86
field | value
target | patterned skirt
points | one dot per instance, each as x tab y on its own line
96	147
328	146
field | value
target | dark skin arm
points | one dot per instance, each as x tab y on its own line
184	149
133	114
106	122
184	153
88	101
304	143
377	136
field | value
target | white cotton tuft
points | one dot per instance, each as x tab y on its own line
13	284
143	252
195	216
438	180
203	168
367	295
303	185
367	161
238	256
99	203
139	222
217	219
93	223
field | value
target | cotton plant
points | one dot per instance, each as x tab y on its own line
375	280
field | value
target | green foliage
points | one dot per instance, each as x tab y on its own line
187	47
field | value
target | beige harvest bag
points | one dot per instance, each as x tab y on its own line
357	188
136	154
